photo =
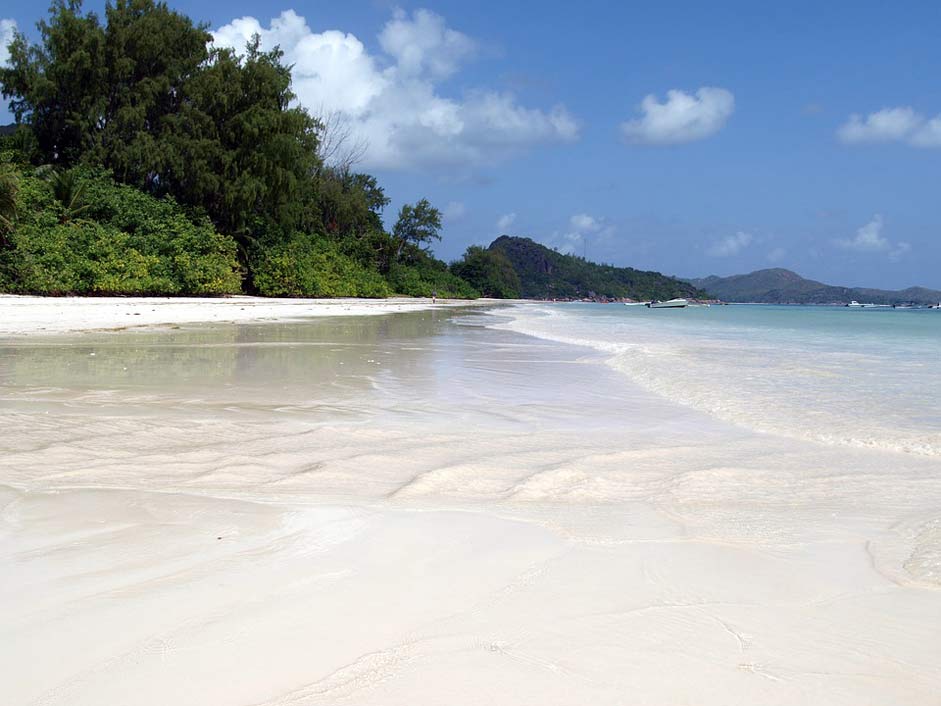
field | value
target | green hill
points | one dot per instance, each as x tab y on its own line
780	286
546	274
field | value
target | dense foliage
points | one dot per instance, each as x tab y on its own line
149	160
81	232
314	267
426	277
489	271
145	96
545	273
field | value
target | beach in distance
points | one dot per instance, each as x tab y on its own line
238	501
26	315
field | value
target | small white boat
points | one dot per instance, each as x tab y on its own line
856	305
669	304
636	303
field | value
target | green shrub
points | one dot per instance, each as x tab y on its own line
307	266
426	277
51	259
197	259
111	239
83	257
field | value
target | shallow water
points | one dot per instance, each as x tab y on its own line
864	378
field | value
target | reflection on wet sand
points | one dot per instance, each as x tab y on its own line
263	365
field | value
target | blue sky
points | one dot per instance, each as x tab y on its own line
685	137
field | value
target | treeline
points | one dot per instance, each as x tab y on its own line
148	161
544	273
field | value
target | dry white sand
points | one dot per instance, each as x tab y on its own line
400	510
22	315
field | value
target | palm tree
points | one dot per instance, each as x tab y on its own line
69	191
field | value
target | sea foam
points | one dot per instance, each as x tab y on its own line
822	374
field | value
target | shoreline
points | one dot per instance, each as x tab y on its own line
374	509
26	315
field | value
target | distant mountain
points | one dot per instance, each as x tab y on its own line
779	286
547	274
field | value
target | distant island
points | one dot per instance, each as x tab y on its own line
780	286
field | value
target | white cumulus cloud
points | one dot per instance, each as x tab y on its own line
583	230
730	245
7	30
504	222
902	124
682	117
869	239
393	99
424	44
583	223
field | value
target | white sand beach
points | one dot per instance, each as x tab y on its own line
21	315
418	508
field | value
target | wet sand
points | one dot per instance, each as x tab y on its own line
417	509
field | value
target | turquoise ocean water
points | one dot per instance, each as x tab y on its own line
862	378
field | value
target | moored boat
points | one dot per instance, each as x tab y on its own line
669	304
868	305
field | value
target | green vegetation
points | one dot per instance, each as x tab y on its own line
426	277
490	272
81	232
146	160
9	186
309	267
545	273
416	227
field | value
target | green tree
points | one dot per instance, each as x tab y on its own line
165	159
238	149
150	54
101	94
145	97
59	86
417	226
489	272
351	208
